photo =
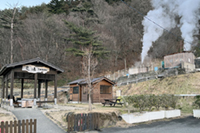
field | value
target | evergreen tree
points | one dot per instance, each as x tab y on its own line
57	6
88	46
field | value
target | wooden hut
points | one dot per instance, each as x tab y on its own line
34	69
102	89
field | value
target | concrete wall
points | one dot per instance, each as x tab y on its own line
149	116
176	59
132	70
188	66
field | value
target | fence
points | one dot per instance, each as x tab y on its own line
19	126
82	122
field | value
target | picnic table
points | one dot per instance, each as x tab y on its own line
112	102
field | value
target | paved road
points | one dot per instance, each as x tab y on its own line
44	125
182	125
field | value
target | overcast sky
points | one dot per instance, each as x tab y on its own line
6	3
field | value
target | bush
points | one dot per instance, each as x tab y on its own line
197	101
144	102
158	102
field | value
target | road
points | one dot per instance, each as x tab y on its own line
181	125
44	125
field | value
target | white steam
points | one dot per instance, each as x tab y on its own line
164	14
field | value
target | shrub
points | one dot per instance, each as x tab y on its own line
158	102
174	101
166	102
151	101
197	101
144	102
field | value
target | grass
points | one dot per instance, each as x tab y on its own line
181	84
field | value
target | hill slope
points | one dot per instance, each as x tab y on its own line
181	84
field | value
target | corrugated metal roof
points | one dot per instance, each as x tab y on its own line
38	60
82	81
76	81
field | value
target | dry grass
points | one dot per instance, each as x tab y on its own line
181	84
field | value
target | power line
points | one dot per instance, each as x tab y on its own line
155	23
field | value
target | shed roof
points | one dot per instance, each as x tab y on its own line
34	60
94	80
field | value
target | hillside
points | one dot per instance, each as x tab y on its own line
40	31
181	84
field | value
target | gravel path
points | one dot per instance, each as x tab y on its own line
44	125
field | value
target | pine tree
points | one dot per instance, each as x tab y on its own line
88	46
57	6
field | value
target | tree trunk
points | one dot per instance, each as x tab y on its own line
90	84
11	36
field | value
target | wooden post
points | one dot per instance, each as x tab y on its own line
6	87
55	89
3	88
19	126
22	87
46	89
11	88
23	125
15	126
69	122
27	126
35	87
6	127
39	89
11	125
35	128
31	125
2	127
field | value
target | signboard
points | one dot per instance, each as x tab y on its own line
35	69
118	93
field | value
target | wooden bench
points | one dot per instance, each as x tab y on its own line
112	102
118	101
108	101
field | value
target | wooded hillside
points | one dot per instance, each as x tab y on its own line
40	31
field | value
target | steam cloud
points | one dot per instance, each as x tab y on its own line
164	13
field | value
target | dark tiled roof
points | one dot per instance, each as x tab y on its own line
38	60
82	81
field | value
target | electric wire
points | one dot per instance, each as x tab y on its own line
155	23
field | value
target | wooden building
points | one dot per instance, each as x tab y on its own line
102	89
33	69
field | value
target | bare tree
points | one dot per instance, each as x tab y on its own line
89	63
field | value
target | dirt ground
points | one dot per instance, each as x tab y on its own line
59	115
6	115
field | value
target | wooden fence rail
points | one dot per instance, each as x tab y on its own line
82	122
19	126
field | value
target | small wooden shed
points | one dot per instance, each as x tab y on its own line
102	89
33	69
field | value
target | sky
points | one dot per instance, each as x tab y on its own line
6	3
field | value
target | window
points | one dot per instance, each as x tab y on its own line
105	89
75	90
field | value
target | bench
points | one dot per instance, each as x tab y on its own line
112	102
118	101
108	101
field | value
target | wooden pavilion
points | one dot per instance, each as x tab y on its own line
33	69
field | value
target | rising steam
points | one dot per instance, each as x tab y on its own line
164	13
